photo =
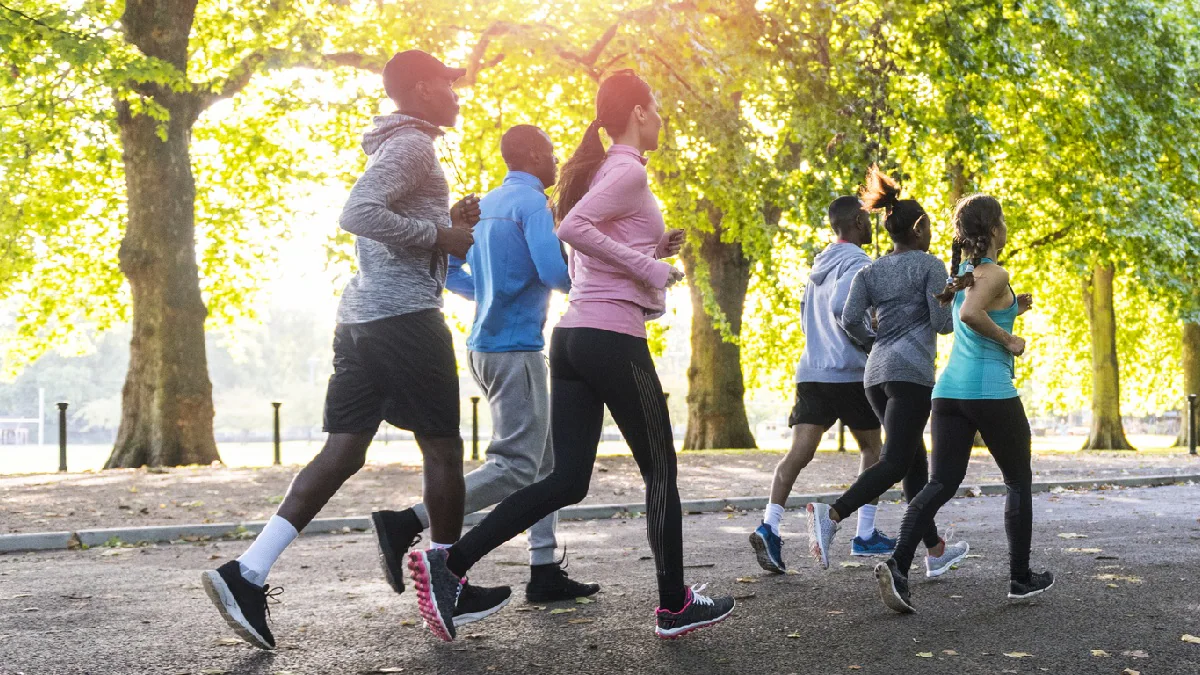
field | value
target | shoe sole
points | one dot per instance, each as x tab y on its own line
472	617
814	541
933	574
759	544
869	554
887	591
222	598
393	570
418	566
1033	594
690	628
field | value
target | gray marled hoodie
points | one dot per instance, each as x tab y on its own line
394	210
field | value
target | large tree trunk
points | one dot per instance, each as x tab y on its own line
1107	431
1191	375
166	404
716	408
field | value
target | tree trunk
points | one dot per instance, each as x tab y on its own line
1191	375
166	404
1107	432
716	407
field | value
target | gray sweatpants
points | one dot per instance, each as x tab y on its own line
516	385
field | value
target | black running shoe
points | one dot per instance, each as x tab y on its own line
479	602
1035	584
437	590
550	583
893	587
395	533
698	612
242	603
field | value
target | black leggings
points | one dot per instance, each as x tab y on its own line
1005	430
589	369
903	408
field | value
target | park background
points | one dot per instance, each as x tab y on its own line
172	175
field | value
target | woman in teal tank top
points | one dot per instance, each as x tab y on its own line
975	394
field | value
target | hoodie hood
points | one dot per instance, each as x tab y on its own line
835	260
387	126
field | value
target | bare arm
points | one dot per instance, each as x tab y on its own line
991	283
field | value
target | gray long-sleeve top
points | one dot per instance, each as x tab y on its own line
394	209
900	287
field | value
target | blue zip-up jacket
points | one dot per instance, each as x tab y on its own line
515	263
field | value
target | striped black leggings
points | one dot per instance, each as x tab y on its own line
591	369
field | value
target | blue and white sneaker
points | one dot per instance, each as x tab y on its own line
954	554
768	547
878	544
821	529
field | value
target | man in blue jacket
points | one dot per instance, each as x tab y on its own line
514	265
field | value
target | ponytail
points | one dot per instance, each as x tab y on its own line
956	282
903	216
578	172
974	218
619	94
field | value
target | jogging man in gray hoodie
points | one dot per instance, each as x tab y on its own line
829	385
393	358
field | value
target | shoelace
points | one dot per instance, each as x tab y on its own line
271	597
562	563
701	599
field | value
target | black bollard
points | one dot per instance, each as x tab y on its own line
1192	434
475	428
278	438
841	436
63	436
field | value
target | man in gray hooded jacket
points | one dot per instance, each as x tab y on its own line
829	385
393	358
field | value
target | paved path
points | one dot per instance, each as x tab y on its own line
143	610
132	498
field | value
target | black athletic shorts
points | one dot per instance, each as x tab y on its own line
400	369
823	403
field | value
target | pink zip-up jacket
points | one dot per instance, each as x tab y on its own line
617	235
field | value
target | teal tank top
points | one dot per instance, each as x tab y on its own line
979	368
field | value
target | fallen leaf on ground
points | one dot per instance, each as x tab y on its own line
561	610
388	669
925	655
973	555
1118	577
835	611
29	609
852	564
1131	671
956	597
746	596
795	635
1136	654
1112	585
1082	550
578	621
214	671
949	652
1018	655
1100	653
854	667
747	580
227	641
18	596
410	622
1191	638
1072	535
584	601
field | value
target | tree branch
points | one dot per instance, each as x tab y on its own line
1043	240
276	59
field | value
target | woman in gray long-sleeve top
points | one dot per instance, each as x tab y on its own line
899	377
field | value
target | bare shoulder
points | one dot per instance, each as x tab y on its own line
991	274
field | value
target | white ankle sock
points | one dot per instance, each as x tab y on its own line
772	517
866	521
434	544
256	562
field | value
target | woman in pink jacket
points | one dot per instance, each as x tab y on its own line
599	357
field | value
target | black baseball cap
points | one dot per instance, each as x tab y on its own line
410	67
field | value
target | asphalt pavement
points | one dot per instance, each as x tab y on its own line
1127	594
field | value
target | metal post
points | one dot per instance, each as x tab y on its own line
475	428
278	437
841	436
1192	433
62	436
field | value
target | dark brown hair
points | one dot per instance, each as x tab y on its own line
882	192
974	218
618	96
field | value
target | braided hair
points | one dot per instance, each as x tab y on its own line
974	218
